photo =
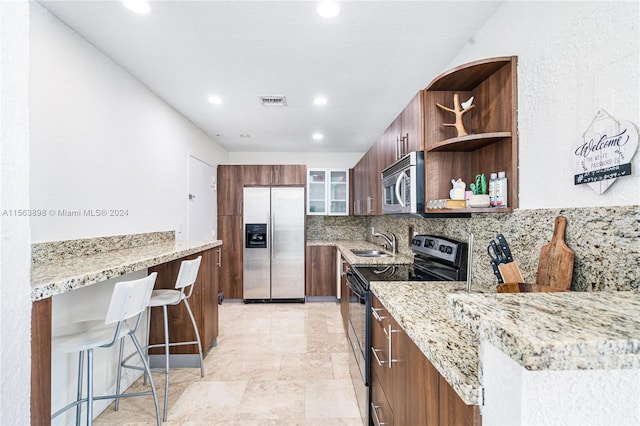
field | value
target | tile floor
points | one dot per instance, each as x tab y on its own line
275	364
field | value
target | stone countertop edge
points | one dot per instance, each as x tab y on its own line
63	275
556	331
421	311
345	247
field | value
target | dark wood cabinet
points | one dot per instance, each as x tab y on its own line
453	410
230	273
203	303
366	184
380	409
230	186
290	174
406	389
321	271
416	383
412	124
275	175
492	143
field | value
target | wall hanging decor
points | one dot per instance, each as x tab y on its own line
605	152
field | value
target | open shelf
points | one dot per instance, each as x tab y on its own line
492	145
469	142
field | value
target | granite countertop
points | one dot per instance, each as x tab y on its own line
63	274
557	331
345	248
540	331
420	309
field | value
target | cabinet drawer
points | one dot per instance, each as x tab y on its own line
380	410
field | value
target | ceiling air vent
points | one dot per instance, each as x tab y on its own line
273	100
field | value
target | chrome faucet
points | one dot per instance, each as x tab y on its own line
391	240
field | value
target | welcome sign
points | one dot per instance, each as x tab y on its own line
605	155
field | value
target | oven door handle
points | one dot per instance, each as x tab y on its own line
354	285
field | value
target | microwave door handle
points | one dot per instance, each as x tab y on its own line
398	183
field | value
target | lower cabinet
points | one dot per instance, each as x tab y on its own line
203	302
406	389
321	271
230	231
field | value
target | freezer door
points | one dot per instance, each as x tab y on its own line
287	242
256	272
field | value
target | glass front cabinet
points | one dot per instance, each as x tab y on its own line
328	192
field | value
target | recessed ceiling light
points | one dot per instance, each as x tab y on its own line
137	6
328	9
214	99
317	136
320	100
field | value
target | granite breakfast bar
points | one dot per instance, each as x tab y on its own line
571	339
66	266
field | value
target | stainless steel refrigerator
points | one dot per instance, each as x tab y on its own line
274	244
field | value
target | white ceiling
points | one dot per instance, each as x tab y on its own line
369	61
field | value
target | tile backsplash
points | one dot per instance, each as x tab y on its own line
605	240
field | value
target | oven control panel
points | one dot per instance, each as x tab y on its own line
437	247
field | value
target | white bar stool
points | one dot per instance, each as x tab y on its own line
163	298
128	301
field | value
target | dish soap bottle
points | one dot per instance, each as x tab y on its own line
501	190
492	189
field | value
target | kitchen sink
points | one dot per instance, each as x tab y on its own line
370	253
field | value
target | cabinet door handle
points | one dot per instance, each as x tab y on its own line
374	312
374	411
375	355
389	339
219	257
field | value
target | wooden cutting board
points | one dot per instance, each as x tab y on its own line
555	267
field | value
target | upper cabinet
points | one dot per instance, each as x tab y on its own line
491	144
328	192
274	175
230	183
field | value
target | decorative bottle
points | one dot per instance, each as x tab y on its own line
501	190
492	189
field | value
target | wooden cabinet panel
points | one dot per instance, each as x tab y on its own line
415	385
180	327
413	125
275	175
257	175
380	409
230	273
380	345
230	187
210	300
321	271
453	411
290	174
41	314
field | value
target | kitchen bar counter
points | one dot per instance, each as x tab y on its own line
557	331
63	274
540	331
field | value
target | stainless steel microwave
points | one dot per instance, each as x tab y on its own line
403	185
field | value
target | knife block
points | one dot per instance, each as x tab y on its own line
510	272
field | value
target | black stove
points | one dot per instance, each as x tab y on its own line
435	259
